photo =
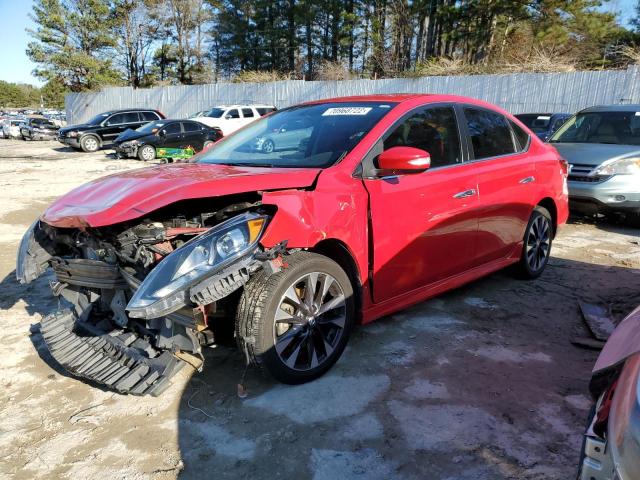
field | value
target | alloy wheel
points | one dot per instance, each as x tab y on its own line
147	153
309	321
268	146
538	243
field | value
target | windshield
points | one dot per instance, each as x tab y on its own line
150	127
97	120
622	128
539	123
215	112
313	136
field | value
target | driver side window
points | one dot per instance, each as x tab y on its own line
172	128
432	129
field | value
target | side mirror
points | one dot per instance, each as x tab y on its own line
227	117
403	160
162	133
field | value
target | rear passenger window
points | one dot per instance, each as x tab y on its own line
190	127
131	117
432	129
247	113
149	116
490	133
522	137
233	113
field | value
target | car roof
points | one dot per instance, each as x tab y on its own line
612	108
125	110
244	105
542	114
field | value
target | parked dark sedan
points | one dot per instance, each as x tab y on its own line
611	447
38	129
104	128
144	141
543	124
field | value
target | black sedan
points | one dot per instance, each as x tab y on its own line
144	141
39	129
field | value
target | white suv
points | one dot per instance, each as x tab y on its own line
230	118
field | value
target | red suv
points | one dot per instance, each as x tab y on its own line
372	204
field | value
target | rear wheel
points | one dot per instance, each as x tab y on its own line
537	244
146	153
296	322
89	144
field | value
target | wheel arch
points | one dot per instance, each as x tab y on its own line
339	252
550	205
91	134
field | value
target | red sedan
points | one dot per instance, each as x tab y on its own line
359	207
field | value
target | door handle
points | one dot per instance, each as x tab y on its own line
527	180
467	193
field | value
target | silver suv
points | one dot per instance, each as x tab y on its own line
602	146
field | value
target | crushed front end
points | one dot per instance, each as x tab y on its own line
141	299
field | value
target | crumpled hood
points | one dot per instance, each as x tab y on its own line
133	194
130	134
595	153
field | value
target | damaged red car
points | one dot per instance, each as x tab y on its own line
360	206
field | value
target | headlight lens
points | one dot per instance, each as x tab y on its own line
128	144
165	289
623	166
72	134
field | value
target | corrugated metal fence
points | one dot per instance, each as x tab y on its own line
518	92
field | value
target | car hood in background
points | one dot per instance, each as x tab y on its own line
133	194
594	153
79	127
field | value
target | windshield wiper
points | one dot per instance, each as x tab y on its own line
248	164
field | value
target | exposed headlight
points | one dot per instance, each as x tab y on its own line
623	166
165	289
128	144
72	134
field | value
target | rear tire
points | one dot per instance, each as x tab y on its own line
633	219
296	339
147	153
536	247
89	144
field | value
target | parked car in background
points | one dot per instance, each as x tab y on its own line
611	447
288	135
602	146
143	142
543	124
11	127
230	118
198	114
38	129
293	247
105	127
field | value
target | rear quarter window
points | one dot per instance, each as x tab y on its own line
522	137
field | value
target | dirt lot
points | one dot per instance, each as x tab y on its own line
480	383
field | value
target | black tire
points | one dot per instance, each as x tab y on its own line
256	329
533	262
89	144
147	153
268	146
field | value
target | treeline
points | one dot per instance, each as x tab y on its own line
21	95
86	44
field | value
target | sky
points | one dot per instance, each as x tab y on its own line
14	19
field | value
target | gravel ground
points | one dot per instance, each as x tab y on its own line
480	383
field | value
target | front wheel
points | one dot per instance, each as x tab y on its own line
537	244
268	146
296	322
89	144
146	153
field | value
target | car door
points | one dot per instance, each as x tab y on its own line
248	116
232	121
423	225
193	136
114	126
506	177
171	135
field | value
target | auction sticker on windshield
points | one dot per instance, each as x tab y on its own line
346	111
